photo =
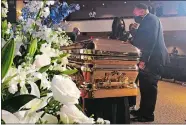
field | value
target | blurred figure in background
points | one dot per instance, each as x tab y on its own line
74	34
118	30
174	51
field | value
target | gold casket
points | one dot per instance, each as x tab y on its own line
108	67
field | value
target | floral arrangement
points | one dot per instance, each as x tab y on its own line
36	82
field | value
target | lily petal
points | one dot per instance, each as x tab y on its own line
9	117
34	89
50	119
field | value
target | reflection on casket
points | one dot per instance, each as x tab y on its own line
109	70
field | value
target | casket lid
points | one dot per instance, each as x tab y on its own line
103	45
113	45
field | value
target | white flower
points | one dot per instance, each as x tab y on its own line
42	60
4	12
13	88
50	119
9	25
38	22
65	90
34	89
37	104
70	114
64	61
30	22
59	67
29	25
46	49
45	12
5	4
44	81
34	6
37	75
100	120
9	117
20	18
107	121
28	118
50	2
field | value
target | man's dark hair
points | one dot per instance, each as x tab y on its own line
142	6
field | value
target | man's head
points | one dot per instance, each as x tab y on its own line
140	10
76	31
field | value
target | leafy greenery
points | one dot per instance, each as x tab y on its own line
53	107
7	57
69	72
44	68
2	122
15	103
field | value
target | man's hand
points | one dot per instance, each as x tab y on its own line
141	65
135	26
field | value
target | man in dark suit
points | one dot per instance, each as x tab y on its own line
150	40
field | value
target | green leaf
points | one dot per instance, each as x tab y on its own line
69	72
33	47
15	103
4	25
44	69
7	57
64	55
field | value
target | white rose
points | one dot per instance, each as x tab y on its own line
65	90
70	114
42	60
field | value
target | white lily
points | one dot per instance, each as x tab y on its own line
45	83
24	117
4	12
8	117
70	114
34	89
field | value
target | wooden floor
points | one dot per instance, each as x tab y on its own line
171	104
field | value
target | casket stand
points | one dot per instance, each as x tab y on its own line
107	71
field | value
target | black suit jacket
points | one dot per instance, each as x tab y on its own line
150	33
